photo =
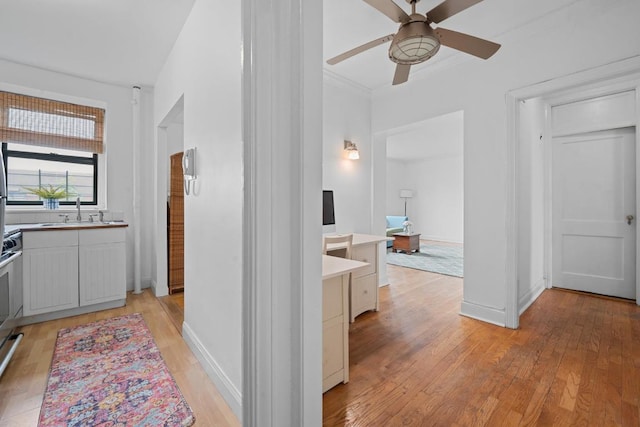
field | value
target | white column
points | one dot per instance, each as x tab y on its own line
136	190
282	132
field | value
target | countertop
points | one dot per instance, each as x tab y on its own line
47	226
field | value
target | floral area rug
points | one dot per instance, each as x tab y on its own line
432	257
111	373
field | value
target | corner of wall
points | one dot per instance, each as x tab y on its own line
227	389
485	314
530	296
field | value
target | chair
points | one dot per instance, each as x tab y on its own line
344	241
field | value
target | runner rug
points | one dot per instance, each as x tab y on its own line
111	373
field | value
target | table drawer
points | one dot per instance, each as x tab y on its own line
363	294
365	254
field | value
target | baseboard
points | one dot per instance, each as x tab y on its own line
530	296
486	314
227	389
439	239
54	315
144	284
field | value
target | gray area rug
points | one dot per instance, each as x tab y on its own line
432	257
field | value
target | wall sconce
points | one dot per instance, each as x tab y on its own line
352	150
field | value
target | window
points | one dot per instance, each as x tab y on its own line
46	142
33	167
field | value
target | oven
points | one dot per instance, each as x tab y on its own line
10	296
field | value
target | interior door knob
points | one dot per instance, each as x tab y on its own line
629	219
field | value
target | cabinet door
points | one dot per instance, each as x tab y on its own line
50	279
102	273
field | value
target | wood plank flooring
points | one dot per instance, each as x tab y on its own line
574	361
23	383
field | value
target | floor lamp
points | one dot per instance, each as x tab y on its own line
406	194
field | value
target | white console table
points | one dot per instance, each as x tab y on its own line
335	315
364	282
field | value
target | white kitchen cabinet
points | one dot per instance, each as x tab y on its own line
50	271
102	269
68	269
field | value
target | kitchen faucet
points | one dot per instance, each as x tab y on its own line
78	217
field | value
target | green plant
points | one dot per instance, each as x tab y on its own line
49	192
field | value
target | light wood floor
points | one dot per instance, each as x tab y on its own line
574	361
23	383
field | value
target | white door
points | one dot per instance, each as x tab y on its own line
594	224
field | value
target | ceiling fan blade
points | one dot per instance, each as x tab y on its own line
389	8
449	8
360	49
469	44
402	74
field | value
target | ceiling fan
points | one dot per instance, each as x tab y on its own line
416	41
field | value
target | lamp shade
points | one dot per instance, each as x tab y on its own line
407	194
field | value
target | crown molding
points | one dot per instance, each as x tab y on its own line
341	82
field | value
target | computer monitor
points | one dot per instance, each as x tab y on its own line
328	212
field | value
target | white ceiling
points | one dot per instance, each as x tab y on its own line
351	23
439	137
127	41
115	41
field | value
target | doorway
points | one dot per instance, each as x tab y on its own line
170	141
538	115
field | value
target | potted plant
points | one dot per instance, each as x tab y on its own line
50	195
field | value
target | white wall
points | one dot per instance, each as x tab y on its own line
436	208
118	148
396	180
560	44
347	115
531	204
205	67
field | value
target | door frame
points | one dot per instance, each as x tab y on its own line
609	78
576	95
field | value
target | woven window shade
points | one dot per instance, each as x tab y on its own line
44	122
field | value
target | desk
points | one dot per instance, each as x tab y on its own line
335	323
364	282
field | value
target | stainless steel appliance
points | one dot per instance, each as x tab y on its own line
10	281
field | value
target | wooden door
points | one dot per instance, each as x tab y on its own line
594	192
175	225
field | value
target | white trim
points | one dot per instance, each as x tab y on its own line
224	385
512	319
440	239
336	80
532	294
147	282
282	134
620	73
76	311
480	312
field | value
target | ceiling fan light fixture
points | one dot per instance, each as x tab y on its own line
414	43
